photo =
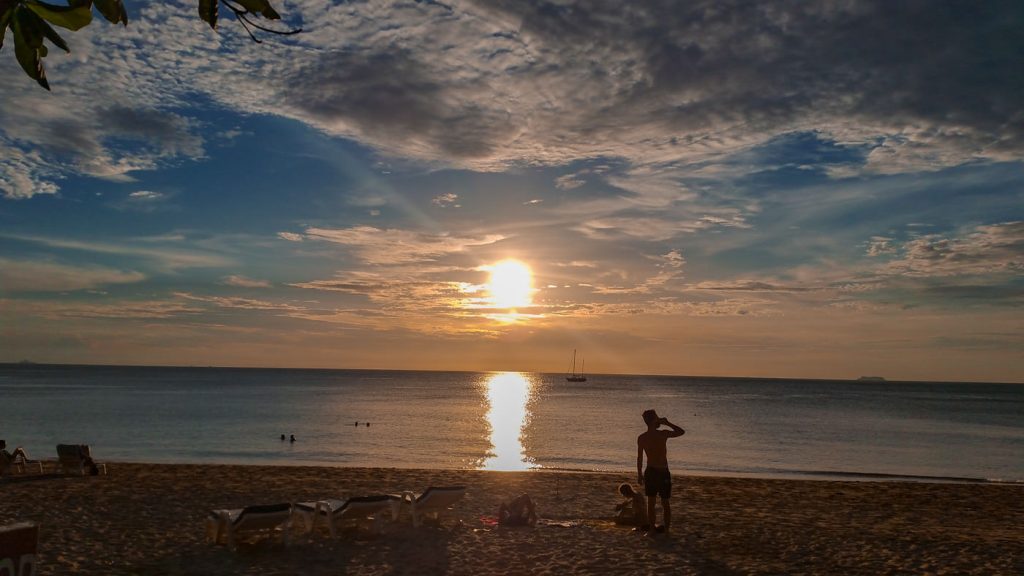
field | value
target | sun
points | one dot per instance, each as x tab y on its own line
511	284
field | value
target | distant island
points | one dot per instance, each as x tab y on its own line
871	379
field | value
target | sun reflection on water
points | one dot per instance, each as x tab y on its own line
508	394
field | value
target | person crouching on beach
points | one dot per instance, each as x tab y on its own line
656	480
633	510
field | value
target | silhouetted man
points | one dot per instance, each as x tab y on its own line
656	480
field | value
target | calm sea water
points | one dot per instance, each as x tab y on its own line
512	421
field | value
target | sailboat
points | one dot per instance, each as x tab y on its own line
574	377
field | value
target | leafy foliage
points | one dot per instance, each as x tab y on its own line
31	22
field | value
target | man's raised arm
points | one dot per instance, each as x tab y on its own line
676	430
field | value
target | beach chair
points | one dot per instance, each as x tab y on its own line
10	465
433	502
20	463
18	546
338	514
15	462
230	525
75	459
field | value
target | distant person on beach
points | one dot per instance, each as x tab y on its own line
520	512
633	510
7	458
282	437
292	439
656	479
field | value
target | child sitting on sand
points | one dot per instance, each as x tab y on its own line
633	510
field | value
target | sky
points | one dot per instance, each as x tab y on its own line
823	189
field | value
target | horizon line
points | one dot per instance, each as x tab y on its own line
29	363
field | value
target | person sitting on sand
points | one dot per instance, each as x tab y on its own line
633	510
656	479
519	512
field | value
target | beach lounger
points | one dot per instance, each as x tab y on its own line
18	545
74	459
230	525
18	464
21	464
338	514
433	502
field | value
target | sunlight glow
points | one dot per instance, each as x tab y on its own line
510	285
508	394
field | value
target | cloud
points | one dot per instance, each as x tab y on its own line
991	249
393	98
36	276
709	221
577	264
569	181
145	201
145	196
747	286
86	136
408	292
669	89
414	300
164	252
673	259
446	200
670	268
394	246
240	303
290	236
23	174
880	245
243	282
652	228
118	310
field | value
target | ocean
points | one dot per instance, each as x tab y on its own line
517	421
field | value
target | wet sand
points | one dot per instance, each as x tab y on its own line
149	519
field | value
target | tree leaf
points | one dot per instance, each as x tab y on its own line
27	41
208	12
113	11
5	17
52	36
260	7
72	17
29	27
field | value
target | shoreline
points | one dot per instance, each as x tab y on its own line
808	475
148	519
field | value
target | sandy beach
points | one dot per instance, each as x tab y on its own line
148	519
